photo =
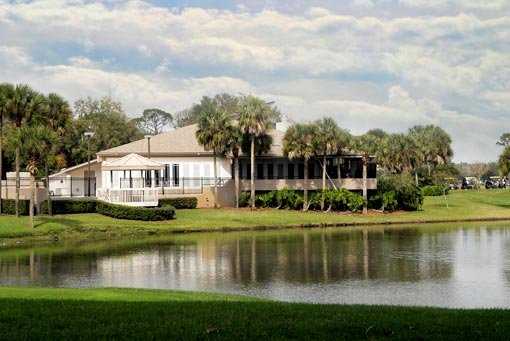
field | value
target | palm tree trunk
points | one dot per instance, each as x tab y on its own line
17	180
215	182
252	180
323	181
236	179
32	199
48	196
365	192
305	187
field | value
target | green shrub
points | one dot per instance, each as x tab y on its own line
266	200
135	213
406	195
288	198
244	199
69	206
434	190
9	206
179	203
389	201
343	200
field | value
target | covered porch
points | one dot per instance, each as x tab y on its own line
130	180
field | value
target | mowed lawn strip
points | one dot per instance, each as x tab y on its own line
151	314
462	205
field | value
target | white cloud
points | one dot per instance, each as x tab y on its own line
366	70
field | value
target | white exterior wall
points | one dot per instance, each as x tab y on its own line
189	167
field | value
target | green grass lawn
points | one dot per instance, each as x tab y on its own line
462	205
30	313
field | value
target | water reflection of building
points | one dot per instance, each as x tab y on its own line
309	256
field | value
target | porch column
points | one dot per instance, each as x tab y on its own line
153	178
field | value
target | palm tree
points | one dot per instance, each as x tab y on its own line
433	145
37	146
235	138
298	144
213	133
255	120
325	143
25	106
58	118
367	146
6	92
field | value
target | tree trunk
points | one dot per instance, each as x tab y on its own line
323	181
215	182
48	196
252	180
416	177
365	192
32	199
305	187
17	180
236	179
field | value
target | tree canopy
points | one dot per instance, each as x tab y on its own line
153	121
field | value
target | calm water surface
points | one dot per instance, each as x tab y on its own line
434	265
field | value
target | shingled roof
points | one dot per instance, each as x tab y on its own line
179	142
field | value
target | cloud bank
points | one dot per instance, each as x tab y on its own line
367	71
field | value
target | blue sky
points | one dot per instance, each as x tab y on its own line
367	63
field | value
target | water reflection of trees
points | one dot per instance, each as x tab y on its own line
300	257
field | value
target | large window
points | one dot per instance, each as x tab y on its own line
291	170
175	173
260	171
280	171
270	171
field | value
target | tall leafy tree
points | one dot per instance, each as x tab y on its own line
106	118
255	119
6	93
504	162
214	133
367	146
25	107
224	102
298	144
153	121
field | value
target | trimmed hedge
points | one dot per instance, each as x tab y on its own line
434	190
70	206
9	206
135	213
179	203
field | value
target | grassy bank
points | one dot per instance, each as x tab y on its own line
462	205
151	314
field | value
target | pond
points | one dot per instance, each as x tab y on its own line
433	265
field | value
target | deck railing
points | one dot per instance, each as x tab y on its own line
130	196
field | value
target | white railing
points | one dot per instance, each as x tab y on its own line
130	196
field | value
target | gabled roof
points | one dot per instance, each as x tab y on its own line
63	171
181	141
131	161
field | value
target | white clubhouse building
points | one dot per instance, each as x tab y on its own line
174	164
